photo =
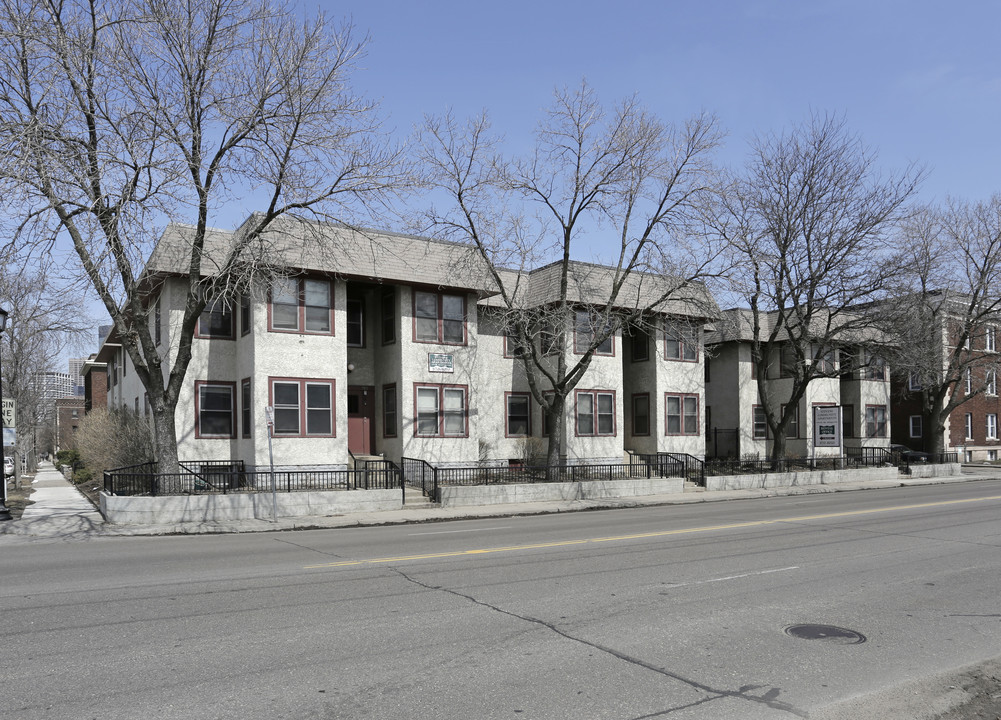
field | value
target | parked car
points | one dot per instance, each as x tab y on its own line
8	466
910	456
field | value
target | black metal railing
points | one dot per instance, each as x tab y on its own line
669	464
429	478
868	456
905	459
214	478
422	474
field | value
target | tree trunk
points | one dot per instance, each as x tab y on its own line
778	448
165	440
555	453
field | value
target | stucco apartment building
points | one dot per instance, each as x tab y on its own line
377	343
856	380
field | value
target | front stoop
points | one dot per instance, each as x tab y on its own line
414	499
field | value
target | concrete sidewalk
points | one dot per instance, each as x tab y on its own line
61	511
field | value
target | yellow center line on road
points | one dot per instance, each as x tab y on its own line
642	536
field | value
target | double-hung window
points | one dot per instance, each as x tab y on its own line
355	324
760	424
439	318
681	343
992	426
968	425
991	383
595	412
681	413
875	421
587	328
215	409
915	426
441	411
245	407
518	421
792	428
641	414
990	339
875	367
639	344
302	305
389	412
216	321
303	408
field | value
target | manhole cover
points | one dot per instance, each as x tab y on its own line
827	633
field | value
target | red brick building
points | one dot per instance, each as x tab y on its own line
69	412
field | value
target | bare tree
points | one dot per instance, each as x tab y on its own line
618	176
44	319
811	219
946	311
119	117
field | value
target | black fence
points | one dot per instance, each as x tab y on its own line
680	465
202	478
419	473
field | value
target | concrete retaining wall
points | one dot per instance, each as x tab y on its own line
459	496
244	506
788	479
943	470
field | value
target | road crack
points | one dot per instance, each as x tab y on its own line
768	698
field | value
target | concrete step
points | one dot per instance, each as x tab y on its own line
693	487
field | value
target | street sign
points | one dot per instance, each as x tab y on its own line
9	437
8	413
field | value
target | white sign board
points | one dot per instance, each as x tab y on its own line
8	412
827	426
440	362
9	437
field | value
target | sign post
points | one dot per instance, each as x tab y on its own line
269	417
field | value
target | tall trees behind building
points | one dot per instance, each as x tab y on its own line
117	117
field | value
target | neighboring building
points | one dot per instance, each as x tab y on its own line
95	384
69	412
972	428
75	366
735	421
394	345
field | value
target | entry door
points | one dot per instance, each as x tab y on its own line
361	419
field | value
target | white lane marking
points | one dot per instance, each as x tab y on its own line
450	532
734	577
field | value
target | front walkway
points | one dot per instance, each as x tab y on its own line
61	511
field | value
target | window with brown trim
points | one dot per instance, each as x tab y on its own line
246	412
216	322
641	414
681	414
595	411
389	411
517	414
586	330
303	407
681	343
439	318
215	409
302	305
441	410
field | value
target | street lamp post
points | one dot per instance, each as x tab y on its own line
4	510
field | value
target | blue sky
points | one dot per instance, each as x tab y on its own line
919	81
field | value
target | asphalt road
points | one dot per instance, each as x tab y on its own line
667	612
